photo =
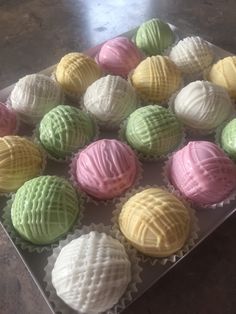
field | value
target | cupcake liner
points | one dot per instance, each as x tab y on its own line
26	245
193	233
59	305
35	138
90	199
192	131
151	157
231	197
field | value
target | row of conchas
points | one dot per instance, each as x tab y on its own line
157	223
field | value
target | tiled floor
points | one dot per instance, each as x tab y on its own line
35	34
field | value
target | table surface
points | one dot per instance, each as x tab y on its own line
34	35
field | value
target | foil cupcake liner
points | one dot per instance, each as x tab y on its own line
35	139
26	245
151	157
90	199
231	197
193	233
59	305
192	131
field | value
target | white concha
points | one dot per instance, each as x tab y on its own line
111	99
192	55
202	105
34	95
92	272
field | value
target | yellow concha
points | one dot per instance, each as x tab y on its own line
76	71
223	73
155	222
156	78
20	161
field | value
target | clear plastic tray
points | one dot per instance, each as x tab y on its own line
209	219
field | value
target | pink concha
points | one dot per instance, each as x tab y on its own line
106	168
119	56
8	121
202	173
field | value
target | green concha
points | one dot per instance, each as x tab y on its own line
153	130
44	209
228	139
154	36
64	130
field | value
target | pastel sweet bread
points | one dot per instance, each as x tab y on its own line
228	139
110	100
202	105
20	161
64	130
154	36
153	131
155	222
75	72
118	56
91	273
192	55
202	173
223	73
156	78
44	209
34	95
105	169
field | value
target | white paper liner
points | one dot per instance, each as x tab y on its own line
188	129
26	245
89	198
151	157
218	136
44	164
67	159
231	197
59	305
193	232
